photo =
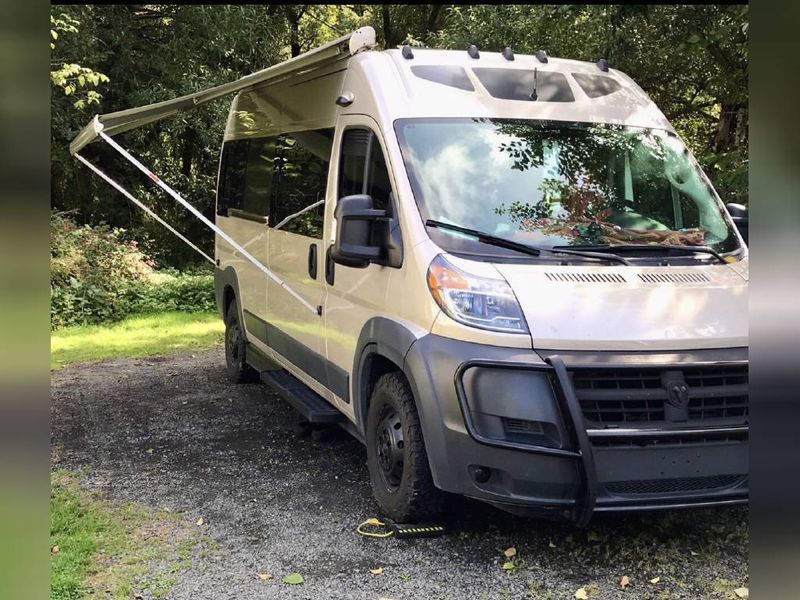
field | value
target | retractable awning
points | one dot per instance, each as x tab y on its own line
124	120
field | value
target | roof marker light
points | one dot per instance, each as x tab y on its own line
508	53
541	56
473	51
602	64
407	53
345	99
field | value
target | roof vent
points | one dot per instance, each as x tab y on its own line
407	53
508	53
602	64
586	277
473	51
541	56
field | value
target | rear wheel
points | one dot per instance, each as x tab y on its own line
236	348
398	463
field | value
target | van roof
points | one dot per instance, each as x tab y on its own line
441	83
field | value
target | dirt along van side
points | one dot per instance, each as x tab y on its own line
505	274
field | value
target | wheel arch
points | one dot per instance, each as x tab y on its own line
382	347
226	290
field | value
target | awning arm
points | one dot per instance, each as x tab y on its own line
249	257
130	197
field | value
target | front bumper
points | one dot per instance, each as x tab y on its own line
565	464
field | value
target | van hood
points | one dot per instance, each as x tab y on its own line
632	308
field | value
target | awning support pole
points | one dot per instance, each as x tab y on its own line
130	197
208	223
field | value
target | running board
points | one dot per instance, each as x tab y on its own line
306	401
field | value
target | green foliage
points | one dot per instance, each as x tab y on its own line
73	79
185	292
98	275
91	270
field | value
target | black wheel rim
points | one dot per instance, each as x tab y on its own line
233	343
389	449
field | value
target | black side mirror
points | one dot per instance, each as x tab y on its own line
738	213
359	232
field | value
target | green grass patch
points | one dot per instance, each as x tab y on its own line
149	335
103	550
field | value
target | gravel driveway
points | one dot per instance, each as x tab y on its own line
172	433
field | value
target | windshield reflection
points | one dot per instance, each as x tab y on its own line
561	184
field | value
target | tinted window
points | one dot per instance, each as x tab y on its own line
301	171
232	175
363	168
246	176
260	169
517	84
453	76
596	85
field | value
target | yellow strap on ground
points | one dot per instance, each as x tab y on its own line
373	523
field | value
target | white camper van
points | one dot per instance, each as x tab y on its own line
504	273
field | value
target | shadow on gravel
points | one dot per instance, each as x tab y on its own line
172	433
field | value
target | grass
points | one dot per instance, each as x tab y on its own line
103	550
150	335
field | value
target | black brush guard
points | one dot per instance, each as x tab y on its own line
584	451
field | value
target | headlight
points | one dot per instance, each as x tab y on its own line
476	301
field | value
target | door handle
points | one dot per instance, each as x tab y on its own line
329	266
312	261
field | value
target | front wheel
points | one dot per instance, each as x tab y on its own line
398	463
236	348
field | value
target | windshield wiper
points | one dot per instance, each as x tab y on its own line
657	248
492	240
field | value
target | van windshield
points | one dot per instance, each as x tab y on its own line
549	183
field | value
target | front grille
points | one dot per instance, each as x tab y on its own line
670	440
666	486
621	397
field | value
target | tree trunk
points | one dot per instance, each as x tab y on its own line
727	127
293	16
433	19
187	153
388	35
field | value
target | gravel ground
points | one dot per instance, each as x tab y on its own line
172	433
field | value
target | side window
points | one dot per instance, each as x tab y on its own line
246	176
260	169
301	172
232	175
362	168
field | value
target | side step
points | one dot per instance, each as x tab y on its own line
306	401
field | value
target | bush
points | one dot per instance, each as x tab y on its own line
184	292
98	276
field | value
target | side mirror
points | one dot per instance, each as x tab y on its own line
738	213
360	232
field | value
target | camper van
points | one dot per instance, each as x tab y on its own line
505	274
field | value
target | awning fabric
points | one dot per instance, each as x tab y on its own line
124	120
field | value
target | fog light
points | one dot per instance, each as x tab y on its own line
482	474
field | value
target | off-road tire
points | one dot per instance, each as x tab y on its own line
236	348
405	493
